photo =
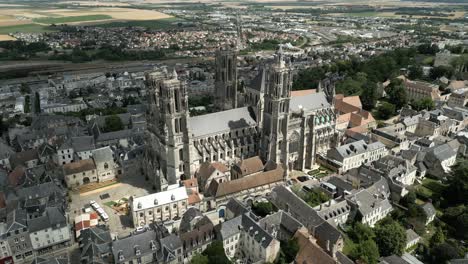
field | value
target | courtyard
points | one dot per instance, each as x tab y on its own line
113	200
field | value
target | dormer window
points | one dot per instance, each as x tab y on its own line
139	205
153	245
106	166
173	197
137	251
155	201
121	256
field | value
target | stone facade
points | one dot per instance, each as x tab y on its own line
275	125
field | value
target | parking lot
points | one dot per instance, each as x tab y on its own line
120	225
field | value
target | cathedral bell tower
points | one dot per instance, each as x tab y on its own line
276	110
226	78
168	128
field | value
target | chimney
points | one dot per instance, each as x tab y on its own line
329	202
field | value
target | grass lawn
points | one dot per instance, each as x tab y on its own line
70	19
434	185
320	172
151	24
26	28
110	203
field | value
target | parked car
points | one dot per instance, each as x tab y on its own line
303	178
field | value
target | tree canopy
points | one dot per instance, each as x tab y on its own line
113	123
390	237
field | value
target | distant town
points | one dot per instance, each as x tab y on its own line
234	132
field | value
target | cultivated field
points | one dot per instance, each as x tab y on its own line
6	37
32	20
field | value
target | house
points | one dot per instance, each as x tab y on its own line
15	235
406	258
95	244
430	212
412	239
27	158
79	173
212	171
439	159
65	153
229	233
353	155
244	238
328	237
196	232
82	146
246	167
159	207
309	252
280	225
106	167
245	188
145	247
370	207
5	153
49	231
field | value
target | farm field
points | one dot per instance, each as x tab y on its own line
26	28
30	20
4	37
69	19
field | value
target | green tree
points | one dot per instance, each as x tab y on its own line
441	71
215	253
369	95
424	104
396	93
365	252
415	72
113	123
390	237
199	259
361	232
438	237
409	198
385	110
288	251
262	208
456	192
444	252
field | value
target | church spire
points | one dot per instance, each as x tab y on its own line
174	74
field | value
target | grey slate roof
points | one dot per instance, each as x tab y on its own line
215	123
128	246
230	227
256	232
309	102
429	209
104	154
411	235
358	147
236	207
83	143
286	200
280	221
52	218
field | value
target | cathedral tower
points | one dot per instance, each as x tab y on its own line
226	78
168	148
276	110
